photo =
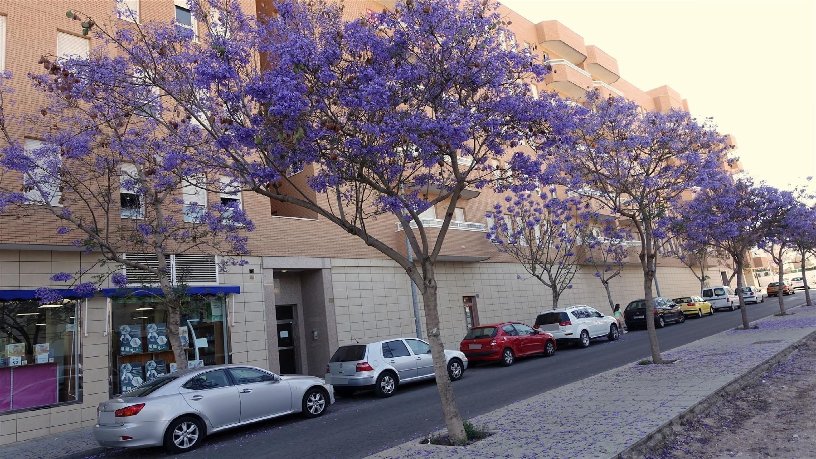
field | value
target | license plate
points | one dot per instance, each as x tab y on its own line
338	381
638	317
475	346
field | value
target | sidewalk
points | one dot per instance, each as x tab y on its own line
598	417
616	412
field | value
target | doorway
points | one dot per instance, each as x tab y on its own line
471	312
287	349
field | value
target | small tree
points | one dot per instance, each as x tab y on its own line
777	239
638	166
543	232
801	224
607	252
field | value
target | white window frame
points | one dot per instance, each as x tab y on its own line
460	211
34	193
2	43
129	170
128	10
68	43
194	195
185	5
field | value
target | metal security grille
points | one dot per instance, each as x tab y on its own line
184	269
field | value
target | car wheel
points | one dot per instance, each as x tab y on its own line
455	369
549	349
344	391
614	333
660	322
507	357
386	384
184	434
584	340
315	402
682	318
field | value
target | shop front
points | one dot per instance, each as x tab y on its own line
139	346
40	351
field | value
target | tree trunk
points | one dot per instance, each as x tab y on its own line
647	261
804	281
740	285
555	296
608	295
171	301
780	292
702	284
453	420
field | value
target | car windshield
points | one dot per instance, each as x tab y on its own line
685	299
351	353
150	386
481	332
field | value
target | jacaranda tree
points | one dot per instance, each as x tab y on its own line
733	216
801	228
543	233
777	239
607	251
369	120
638	165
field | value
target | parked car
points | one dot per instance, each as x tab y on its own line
721	297
664	312
797	282
694	306
577	324
385	365
774	288
753	294
180	409
505	342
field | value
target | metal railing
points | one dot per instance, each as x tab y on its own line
608	87
570	65
437	223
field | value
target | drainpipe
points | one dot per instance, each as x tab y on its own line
414	293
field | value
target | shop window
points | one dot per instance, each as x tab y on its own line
140	345
39	354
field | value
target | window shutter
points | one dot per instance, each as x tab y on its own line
2	43
72	46
138	276
129	173
41	186
196	269
195	197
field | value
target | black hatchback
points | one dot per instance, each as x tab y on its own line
665	312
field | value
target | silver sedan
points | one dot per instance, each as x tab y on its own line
180	409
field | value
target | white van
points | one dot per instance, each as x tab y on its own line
721	297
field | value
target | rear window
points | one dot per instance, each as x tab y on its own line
151	386
637	304
707	293
351	353
481	332
773	284
551	318
744	290
685	299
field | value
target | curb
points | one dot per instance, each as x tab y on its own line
666	432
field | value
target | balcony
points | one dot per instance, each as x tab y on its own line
607	90
568	79
464	241
559	40
602	66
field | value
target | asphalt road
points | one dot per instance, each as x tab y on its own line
364	424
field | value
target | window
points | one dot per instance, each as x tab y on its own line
418	347
481	332
2	43
184	18
39	354
393	349
72	46
719	291
249	375
534	90
209	380
351	353
230	197
510	330
128	9
549	318
130	198
524	330
41	183
428	214
459	214
195	198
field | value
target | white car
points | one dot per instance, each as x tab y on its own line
721	297
578	323
753	295
384	365
797	282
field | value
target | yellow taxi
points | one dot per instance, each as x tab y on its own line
694	306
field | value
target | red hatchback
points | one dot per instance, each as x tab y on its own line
505	342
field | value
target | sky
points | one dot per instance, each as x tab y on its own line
749	64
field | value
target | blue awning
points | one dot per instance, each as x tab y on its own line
10	295
206	290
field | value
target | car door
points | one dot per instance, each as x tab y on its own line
599	326
529	339
397	354
585	320
213	395
261	394
512	337
422	354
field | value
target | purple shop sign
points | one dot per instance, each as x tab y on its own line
33	386
5	389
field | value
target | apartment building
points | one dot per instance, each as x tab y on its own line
307	287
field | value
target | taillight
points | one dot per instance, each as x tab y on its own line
131	410
363	366
564	323
692	304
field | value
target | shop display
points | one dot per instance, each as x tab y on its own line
130	339
157	337
155	368
16	354
131	376
41	353
184	337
